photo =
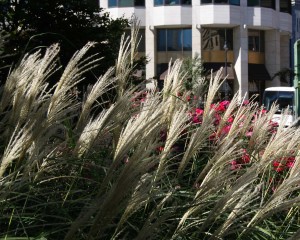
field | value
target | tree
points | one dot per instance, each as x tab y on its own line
33	24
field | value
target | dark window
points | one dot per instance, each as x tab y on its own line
171	2
285	6
220	1
187	39
253	3
112	3
161	40
214	38
234	2
267	3
126	3
256	41
262	3
174	39
231	2
140	38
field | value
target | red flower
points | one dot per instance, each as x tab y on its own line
230	119
213	137
220	108
225	130
196	119
199	111
290	164
246	102
160	149
278	167
235	165
225	103
245	157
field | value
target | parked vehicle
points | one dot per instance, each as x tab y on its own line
284	97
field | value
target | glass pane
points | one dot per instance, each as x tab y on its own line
285	6
221	1
221	39
229	39
171	2
141	38
174	40
206	40
186	2
206	1
252	3
139	3
267	3
187	39
262	41
234	2
112	3
158	2
125	3
161	40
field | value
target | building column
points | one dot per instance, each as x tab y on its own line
240	51
272	55
150	51
285	55
196	40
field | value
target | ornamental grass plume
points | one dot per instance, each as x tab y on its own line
123	167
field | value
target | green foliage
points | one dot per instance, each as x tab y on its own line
193	67
34	24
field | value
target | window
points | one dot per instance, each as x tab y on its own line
174	39
126	3
262	3
256	42
285	6
140	38
231	2
214	38
171	2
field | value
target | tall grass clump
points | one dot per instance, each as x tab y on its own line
139	164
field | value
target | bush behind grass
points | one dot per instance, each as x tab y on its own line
139	168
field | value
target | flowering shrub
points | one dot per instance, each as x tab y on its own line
196	117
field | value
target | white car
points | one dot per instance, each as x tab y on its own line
284	97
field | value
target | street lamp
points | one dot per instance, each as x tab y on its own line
226	84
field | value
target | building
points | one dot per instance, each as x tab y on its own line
295	28
256	35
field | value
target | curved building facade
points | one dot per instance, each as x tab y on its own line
251	37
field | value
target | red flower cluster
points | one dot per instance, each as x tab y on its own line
138	98
284	163
238	163
197	116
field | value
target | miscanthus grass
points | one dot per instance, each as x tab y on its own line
132	167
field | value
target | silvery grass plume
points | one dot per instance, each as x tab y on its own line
25	88
34	109
126	56
105	178
103	84
201	134
72	75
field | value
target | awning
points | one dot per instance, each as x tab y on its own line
258	72
215	67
